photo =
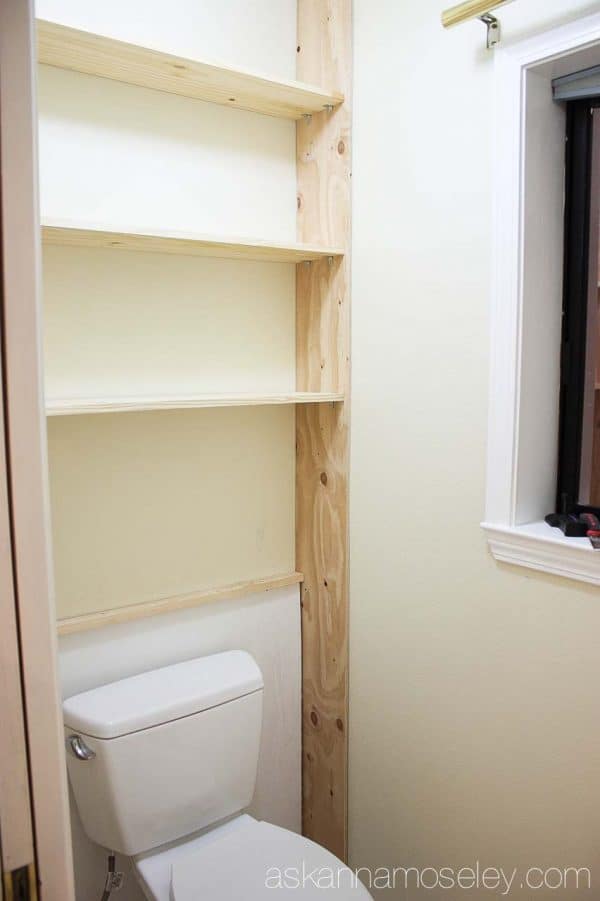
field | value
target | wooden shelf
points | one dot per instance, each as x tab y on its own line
178	602
94	54
94	405
183	243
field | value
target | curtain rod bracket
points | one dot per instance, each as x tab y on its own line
493	29
476	9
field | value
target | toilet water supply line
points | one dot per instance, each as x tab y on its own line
114	879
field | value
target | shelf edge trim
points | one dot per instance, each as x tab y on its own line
90	621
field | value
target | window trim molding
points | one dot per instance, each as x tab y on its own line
536	547
523	404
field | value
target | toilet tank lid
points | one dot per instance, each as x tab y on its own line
162	695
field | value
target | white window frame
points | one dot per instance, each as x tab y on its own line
526	307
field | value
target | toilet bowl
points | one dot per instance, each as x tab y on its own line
245	859
163	766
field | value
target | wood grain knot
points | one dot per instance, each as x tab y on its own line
340	724
314	718
323	478
341	148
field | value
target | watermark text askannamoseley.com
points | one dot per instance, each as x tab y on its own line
476	877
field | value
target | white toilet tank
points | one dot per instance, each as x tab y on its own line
175	750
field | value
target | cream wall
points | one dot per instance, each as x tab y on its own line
474	687
221	509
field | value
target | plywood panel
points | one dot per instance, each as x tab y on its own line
95	54
95	405
150	505
181	243
322	341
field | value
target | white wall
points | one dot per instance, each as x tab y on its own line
475	712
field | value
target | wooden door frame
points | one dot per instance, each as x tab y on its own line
26	451
17	852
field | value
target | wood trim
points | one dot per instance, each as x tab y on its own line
26	451
97	405
181	243
95	54
323	353
177	602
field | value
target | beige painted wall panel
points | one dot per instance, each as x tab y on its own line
147	505
259	35
125	156
135	323
474	686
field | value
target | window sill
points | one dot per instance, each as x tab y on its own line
538	546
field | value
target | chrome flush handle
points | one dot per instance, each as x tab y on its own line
79	749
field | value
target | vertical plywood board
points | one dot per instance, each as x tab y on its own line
322	345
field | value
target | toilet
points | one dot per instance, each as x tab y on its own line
163	766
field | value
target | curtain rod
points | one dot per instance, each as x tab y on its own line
476	9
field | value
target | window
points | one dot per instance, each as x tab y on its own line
526	316
579	443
